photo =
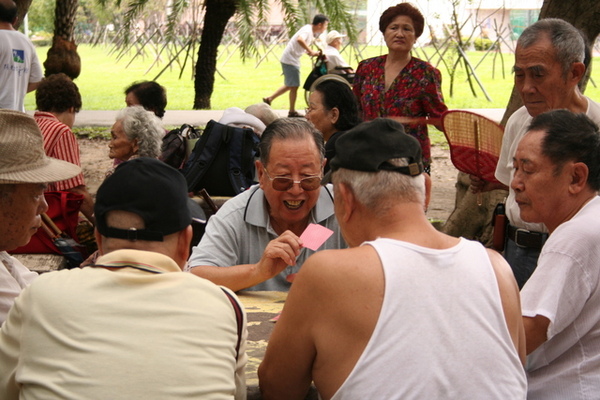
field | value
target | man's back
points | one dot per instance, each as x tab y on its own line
441	330
405	329
19	66
122	333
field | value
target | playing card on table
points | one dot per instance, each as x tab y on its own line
315	235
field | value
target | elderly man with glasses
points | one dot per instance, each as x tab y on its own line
257	233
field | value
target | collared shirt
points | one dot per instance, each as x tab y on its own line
241	230
14	276
97	333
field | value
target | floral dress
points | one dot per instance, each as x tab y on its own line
416	92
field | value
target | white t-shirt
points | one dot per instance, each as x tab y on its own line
516	127
293	51
334	59
565	288
14	277
19	66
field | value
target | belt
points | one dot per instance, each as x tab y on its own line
524	238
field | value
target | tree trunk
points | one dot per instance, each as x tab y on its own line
22	8
582	14
218	13
63	56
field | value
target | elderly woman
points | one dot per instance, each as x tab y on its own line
136	133
398	84
332	108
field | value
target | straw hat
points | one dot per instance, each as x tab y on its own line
22	156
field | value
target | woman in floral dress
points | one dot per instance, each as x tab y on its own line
398	84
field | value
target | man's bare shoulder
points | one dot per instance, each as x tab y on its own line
343	266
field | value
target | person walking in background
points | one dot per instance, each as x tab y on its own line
398	84
58	101
20	68
290	60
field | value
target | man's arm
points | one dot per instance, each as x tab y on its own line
31	86
306	47
278	254
511	301
536	331
87	207
286	370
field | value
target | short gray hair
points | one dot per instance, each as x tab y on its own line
381	190
145	127
567	41
286	129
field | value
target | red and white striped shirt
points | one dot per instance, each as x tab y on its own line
59	142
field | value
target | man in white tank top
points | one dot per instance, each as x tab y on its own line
407	312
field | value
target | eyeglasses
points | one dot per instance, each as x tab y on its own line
283	184
309	110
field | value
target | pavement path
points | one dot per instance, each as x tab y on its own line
201	117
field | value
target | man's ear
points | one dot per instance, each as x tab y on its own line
347	201
260	170
183	246
579	177
577	72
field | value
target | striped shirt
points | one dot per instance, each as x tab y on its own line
59	142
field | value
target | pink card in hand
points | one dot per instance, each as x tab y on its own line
315	235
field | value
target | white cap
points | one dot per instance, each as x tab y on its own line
331	36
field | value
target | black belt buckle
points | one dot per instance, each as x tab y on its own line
526	238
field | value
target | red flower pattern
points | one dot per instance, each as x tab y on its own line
416	92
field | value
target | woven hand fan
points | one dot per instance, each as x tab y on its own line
475	143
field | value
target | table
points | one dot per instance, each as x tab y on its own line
260	308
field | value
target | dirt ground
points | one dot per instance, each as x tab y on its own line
95	163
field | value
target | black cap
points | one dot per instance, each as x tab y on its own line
151	189
368	147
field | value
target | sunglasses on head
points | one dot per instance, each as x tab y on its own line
283	184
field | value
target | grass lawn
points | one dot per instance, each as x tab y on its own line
104	78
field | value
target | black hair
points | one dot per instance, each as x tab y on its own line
151	95
570	137
319	19
8	11
337	94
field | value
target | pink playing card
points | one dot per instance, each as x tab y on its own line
315	235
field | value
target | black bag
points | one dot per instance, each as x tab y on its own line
222	161
176	144
318	71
